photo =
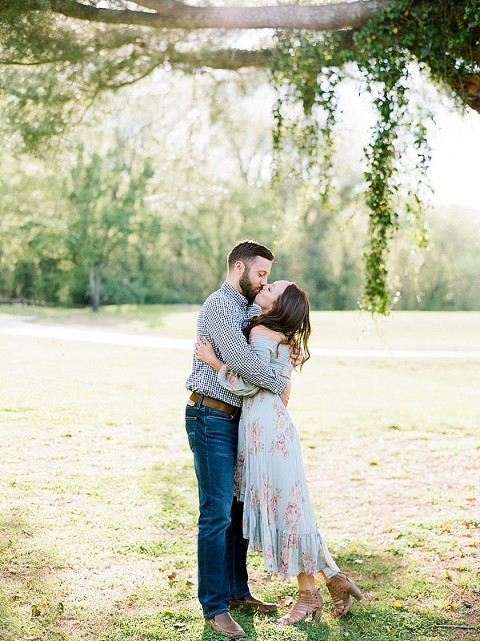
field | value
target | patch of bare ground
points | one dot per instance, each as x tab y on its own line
95	593
390	481
414	498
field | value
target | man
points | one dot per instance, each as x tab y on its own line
212	417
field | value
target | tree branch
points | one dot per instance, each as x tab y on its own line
231	59
159	5
325	17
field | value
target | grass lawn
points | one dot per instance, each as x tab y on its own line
98	501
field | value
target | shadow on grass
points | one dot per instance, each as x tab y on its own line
392	581
382	616
364	624
388	613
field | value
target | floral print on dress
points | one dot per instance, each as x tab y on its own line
269	553
293	511
237	476
308	563
278	517
255	430
232	379
270	499
279	446
284	431
254	498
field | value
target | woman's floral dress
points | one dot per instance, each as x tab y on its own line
269	478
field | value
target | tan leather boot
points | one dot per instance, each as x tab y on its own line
224	624
253	603
341	590
308	603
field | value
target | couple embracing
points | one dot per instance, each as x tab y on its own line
247	456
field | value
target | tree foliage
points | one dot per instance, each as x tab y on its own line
106	196
59	56
443	37
56	217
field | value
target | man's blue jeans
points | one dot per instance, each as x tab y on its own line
222	550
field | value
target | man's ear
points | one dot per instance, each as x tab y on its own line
239	267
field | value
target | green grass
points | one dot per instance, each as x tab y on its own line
98	496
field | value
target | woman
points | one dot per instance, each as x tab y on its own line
278	514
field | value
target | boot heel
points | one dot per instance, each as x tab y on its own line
355	592
317	614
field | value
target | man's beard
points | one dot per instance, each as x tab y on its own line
246	287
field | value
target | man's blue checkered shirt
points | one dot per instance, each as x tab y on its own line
221	319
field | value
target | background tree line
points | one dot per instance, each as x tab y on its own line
142	205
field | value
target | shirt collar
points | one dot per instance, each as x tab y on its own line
230	291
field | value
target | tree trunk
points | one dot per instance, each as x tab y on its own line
94	278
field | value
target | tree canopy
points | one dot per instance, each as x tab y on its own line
58	56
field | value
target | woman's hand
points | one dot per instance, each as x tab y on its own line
205	352
285	395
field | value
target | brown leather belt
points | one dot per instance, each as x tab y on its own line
212	402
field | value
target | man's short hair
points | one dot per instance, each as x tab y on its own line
246	251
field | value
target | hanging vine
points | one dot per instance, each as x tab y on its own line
302	75
443	37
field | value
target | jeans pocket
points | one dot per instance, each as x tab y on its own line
190	426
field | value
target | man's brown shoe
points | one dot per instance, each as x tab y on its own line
254	604
224	624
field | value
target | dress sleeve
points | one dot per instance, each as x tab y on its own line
234	382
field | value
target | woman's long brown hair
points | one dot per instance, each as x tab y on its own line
289	315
